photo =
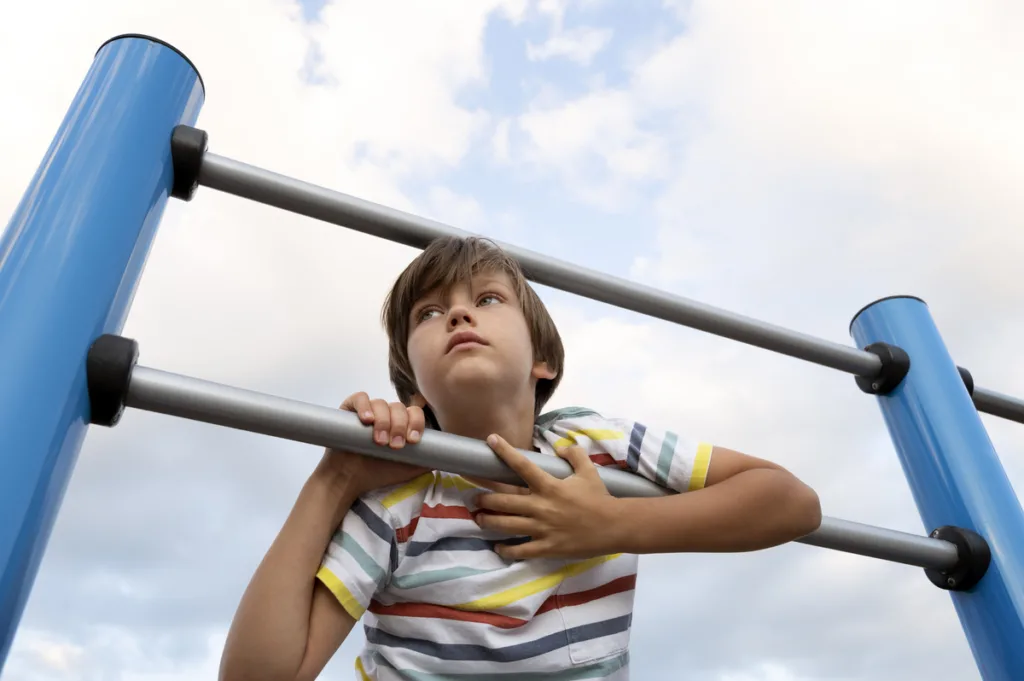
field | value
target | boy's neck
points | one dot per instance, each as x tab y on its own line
513	422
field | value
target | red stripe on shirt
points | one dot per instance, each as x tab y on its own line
606	460
443	612
403	534
615	586
444	511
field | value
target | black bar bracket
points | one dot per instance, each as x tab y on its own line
108	371
968	380
188	147
895	365
974	558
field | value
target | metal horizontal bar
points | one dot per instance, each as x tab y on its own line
267	187
270	188
1000	405
883	543
186	397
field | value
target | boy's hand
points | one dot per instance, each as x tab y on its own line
570	518
394	424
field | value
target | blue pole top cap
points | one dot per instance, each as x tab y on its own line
166	44
876	302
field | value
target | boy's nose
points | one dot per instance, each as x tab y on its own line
459	314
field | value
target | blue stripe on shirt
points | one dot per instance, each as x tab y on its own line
513	653
379	527
416	548
636	440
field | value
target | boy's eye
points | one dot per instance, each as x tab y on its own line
424	315
490	297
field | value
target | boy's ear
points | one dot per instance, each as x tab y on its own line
541	370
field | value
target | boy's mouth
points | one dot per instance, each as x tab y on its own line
464	338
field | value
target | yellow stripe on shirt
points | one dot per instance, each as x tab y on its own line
408	489
509	596
701	462
363	676
592	433
422	482
341	592
458	482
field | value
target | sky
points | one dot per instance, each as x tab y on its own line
790	161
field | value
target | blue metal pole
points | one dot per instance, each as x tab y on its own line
70	260
955	476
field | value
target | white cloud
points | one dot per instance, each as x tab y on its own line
594	144
399	102
555	9
455	209
579	44
46	655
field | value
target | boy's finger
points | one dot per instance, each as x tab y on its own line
500	487
360	404
516	504
507	524
579	460
531	474
538	548
417	422
399	424
381	421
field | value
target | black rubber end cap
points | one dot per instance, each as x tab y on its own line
188	146
895	365
974	558
166	44
876	302
108	370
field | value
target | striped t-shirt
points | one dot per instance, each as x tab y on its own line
437	601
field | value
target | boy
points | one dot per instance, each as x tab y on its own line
460	579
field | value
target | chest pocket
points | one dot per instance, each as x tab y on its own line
595	601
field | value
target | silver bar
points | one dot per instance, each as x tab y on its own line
886	544
997	404
221	405
192	398
270	188
264	186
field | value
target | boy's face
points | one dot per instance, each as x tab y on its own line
472	342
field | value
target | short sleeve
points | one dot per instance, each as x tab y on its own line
361	556
667	458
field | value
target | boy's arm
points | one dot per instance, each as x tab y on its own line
289	624
742	504
746	504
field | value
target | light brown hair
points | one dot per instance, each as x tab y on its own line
447	261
